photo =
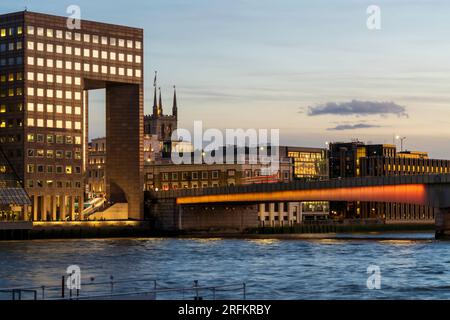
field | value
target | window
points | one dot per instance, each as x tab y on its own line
59	169
121	43
30	168
215	174
68	110
138	59
30	122
77	36
77	51
68	124
95	39
40	46
30	153
30	30
112	55
40	31
30	45
68	169
95	53
129	44
59	154
49	153
86	38
59	49
86	52
129	58
204	175
138	44
59	139
49	123
68	35
59	64
77	110
30	61
50	139
68	50
50	63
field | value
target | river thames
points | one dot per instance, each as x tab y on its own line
413	266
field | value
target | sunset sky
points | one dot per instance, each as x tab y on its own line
310	68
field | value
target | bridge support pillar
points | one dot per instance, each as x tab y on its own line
442	218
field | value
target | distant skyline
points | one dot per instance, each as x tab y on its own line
310	68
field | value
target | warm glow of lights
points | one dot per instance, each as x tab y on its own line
404	193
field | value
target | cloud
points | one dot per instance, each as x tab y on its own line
358	108
341	127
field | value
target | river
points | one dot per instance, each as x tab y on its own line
412	266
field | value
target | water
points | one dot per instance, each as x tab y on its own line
272	269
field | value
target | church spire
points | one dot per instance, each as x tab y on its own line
175	107
160	105
155	105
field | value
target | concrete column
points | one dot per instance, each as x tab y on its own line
72	207
281	213
54	208
63	206
35	208
300	213
44	208
442	223
271	214
261	213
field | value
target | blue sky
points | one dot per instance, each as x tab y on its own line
271	64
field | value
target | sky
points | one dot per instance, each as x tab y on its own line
309	68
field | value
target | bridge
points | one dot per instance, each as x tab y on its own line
235	205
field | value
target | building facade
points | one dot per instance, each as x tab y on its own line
46	72
356	159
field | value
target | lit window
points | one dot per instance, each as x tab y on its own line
104	40
68	109
138	59
49	47
40	46
77	51
30	30
112	55
94	68
95	53
104	55
40	107
59	108
49	93
121	57
68	169
40	62
104	69
86	38
86	67
50	63
68	124
69	95
40	123
138	73
86	52
59	49
69	65
59	124
49	108
30	106
129	72
40	77
30	91
77	125
112	70
30	45
49	123
30	122
68	80
121	71
138	44
77	81
77	96
50	33
129	44
77	66
49	78
59	79
68	50
77	36
129	58
77	110
30	76
59	94
40	31
59	64
59	34
68	35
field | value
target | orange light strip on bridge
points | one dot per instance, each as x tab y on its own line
402	193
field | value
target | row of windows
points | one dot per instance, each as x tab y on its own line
11	46
11	92
50	154
88	53
11	123
41	168
12	61
11	77
50	138
50	93
50	123
88	38
50	78
50	108
16	107
52	184
87	67
12	138
187	175
10	32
